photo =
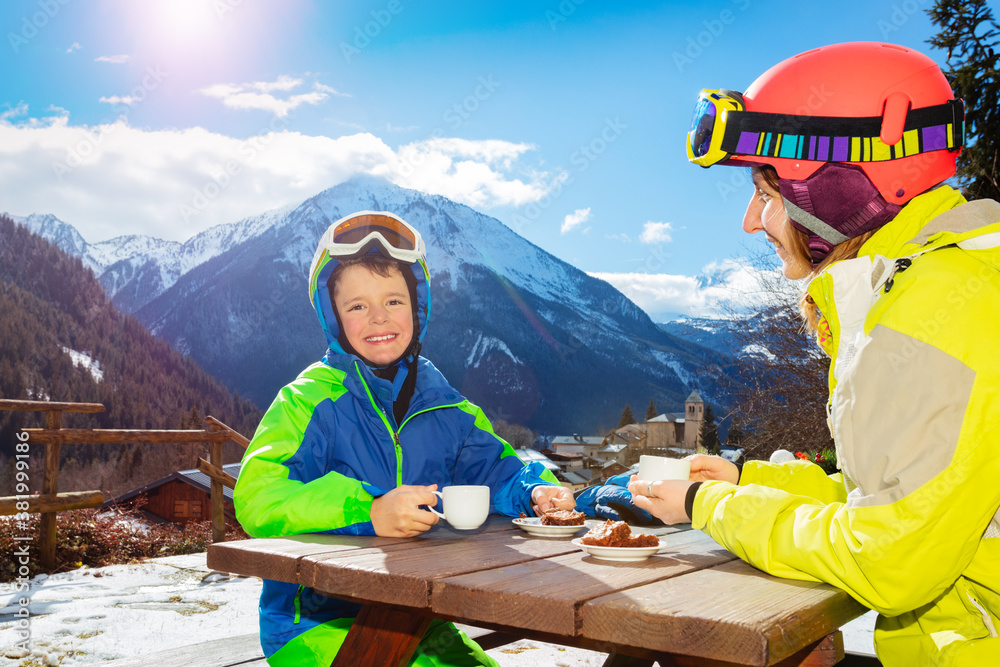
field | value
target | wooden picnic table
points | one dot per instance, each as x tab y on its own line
692	603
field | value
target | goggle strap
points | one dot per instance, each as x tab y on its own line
840	139
813	224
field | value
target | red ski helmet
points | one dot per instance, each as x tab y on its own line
883	110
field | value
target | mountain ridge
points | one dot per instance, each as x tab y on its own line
573	350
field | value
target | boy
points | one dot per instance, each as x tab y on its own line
358	442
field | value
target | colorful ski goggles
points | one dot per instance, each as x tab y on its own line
722	127
356	234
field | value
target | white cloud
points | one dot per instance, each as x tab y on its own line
327	89
127	100
575	219
656	232
257	95
115	60
75	46
117	179
721	289
472	172
20	110
624	238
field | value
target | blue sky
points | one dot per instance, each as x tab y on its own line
564	119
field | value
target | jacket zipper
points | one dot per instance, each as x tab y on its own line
388	426
298	604
987	620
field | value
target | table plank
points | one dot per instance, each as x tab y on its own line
278	558
545	595
402	574
731	612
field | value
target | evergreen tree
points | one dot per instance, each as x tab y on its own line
708	436
736	435
627	417
971	37
651	410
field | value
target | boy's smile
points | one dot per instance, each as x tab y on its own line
375	312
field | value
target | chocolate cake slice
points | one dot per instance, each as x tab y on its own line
617	534
563	518
608	534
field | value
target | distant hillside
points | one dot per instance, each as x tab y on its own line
715	334
61	340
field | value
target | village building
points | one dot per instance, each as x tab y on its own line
181	497
677	430
576	444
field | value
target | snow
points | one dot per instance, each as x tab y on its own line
486	344
758	350
676	366
93	615
88	362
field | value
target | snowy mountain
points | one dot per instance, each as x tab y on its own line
530	338
715	334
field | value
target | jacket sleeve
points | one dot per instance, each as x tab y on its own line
800	478
923	483
487	459
272	501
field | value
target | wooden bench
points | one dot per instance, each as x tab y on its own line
245	651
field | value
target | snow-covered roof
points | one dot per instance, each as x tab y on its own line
613	449
529	455
668	417
576	440
573	478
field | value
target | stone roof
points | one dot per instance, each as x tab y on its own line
694	397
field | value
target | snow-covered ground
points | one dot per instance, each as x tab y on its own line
95	615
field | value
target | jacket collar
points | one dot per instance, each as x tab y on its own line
431	391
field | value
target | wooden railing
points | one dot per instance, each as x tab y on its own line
49	502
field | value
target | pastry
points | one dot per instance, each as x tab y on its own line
563	518
617	534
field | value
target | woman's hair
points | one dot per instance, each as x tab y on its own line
799	247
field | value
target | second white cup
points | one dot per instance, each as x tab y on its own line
465	507
656	468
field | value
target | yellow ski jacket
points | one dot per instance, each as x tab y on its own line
911	528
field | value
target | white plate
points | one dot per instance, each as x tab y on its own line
533	525
617	553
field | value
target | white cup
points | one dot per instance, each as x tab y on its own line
656	468
465	507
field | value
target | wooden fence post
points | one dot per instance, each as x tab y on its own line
218	497
50	485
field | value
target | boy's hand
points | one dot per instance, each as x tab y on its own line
550	497
396	514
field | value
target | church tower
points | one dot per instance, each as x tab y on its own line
694	408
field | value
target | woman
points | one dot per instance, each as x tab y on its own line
848	145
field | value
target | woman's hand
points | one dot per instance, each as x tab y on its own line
667	499
550	497
396	514
710	468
